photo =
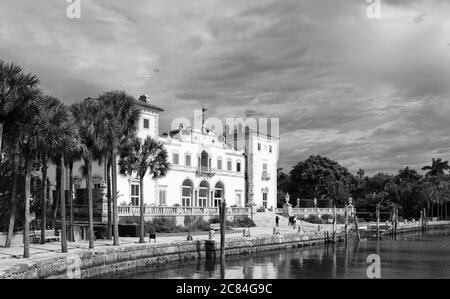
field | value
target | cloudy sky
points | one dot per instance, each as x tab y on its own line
369	93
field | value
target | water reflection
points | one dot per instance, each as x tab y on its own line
410	256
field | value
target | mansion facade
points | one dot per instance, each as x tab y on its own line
239	166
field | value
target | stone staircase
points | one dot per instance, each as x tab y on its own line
267	219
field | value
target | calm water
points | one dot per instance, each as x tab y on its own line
410	256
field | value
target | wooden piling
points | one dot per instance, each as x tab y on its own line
357	229
346	223
378	221
222	211
334	224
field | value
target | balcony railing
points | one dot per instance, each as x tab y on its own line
315	211
174	211
265	176
205	171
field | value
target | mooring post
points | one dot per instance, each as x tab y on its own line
223	218
346	223
334	224
357	229
396	222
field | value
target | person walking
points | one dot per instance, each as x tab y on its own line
277	220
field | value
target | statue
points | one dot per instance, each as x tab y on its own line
287	197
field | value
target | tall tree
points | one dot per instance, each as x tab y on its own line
122	117
58	136
88	118
19	101
437	167
137	158
13	84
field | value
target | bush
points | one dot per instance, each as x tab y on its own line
162	225
261	210
244	222
313	219
214	220
326	217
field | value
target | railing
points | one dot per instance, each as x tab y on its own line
205	171
315	211
174	211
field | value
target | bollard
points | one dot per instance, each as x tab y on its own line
299	228
211	234
275	231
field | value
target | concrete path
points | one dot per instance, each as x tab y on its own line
48	249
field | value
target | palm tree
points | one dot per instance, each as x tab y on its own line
13	83
436	168
87	115
57	135
122	118
142	158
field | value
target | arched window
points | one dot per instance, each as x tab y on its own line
186	193
203	194
218	193
204	161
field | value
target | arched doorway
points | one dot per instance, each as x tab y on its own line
186	193
218	193
203	194
204	161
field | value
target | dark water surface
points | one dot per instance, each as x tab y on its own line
414	255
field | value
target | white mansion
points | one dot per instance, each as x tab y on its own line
239	166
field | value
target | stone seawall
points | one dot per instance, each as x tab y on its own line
90	264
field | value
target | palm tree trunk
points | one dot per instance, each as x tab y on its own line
108	192
26	245
43	198
1	135
88	163
63	209
71	229
141	195
58	193
114	197
12	216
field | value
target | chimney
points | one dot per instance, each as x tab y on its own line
144	98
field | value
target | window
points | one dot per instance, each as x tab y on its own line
219	164
229	165
264	167
135	194
239	198
146	123
265	200
188	160
259	146
162	196
238	166
203	194
186	194
218	194
175	159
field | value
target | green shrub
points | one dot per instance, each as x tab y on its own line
243	222
214	220
326	217
261	210
313	219
162	225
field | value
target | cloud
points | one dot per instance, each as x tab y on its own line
369	93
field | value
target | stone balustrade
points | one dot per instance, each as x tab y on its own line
175	211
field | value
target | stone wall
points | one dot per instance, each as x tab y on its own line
86	264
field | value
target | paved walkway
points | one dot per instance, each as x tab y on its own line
48	249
